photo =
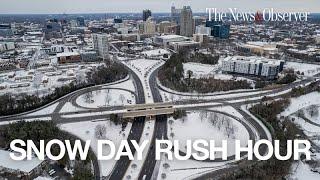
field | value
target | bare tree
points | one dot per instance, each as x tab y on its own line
202	115
122	98
100	131
88	97
107	98
313	110
229	127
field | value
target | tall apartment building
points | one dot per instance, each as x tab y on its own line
257	66
186	22
146	14
101	45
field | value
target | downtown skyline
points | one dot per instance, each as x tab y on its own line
127	6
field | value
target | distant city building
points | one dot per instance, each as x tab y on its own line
221	31
73	23
186	22
149	27
146	14
5	30
80	21
117	20
163	26
257	66
101	45
178	46
89	56
201	38
68	57
259	48
53	29
6	46
175	14
203	30
7	65
166	39
218	29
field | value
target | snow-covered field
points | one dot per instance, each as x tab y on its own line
106	97
87	131
208	126
301	102
199	70
307	69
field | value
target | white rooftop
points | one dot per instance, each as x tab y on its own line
24	165
253	59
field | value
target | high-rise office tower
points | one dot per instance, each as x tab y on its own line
186	22
100	45
175	14
146	14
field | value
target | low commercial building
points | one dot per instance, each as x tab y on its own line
89	56
166	39
257	66
26	169
68	57
201	38
6	46
184	45
260	48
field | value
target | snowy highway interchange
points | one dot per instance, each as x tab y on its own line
80	112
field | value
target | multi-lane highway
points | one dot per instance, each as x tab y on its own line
149	169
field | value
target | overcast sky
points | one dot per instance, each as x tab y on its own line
108	6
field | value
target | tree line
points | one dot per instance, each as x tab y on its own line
46	130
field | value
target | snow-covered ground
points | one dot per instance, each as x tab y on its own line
302	102
87	131
307	69
42	81
44	111
208	126
301	171
305	106
199	70
188	169
155	52
195	128
206	70
105	97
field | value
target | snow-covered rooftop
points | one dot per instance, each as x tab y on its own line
24	165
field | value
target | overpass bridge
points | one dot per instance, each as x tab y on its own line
148	110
